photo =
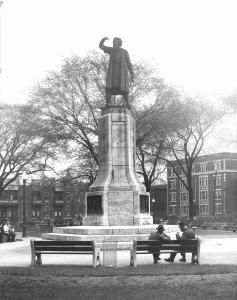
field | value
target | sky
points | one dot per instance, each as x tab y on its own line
191	42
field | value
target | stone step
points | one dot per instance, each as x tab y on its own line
96	238
121	235
122	242
112	230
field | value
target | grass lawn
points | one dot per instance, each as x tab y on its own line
161	281
166	281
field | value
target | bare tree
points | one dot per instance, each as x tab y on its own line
153	128
193	126
71	97
26	143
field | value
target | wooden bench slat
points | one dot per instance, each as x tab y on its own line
166	247
168	242
81	243
63	248
62	252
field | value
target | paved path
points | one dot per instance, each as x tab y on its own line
220	248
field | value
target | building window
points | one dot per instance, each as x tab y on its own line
58	196
203	209
218	179
68	211
224	177
218	194
193	169
171	171
217	165
173	197
12	213
203	167
46	196
203	181
184	210
224	164
183	196
172	210
47	211
4	214
218	208
57	213
203	195
37	196
36	212
183	170
173	184
68	197
182	186
10	194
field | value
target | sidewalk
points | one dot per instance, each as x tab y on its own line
214	250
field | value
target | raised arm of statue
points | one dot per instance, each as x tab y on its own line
101	44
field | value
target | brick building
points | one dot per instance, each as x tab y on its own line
46	199
214	187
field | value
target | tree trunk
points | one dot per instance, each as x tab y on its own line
190	195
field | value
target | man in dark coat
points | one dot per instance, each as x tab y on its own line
117	82
158	235
187	234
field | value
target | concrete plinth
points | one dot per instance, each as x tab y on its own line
117	197
121	235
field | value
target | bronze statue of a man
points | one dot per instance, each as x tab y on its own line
117	82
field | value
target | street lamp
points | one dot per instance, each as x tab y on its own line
153	201
24	234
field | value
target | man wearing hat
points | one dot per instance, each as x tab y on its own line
158	235
187	234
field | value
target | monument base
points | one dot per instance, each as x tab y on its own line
122	235
117	208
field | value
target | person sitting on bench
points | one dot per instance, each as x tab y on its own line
158	235
9	231
187	234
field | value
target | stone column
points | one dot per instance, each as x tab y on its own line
117	197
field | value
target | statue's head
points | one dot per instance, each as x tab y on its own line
117	42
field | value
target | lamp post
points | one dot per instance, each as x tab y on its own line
153	201
24	234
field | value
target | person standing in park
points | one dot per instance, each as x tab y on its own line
117	82
187	234
157	236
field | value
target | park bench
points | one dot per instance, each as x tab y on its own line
4	237
165	246
63	247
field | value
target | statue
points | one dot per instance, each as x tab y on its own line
117	82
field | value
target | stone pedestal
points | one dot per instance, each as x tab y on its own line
117	198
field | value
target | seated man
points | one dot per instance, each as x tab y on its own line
187	234
158	235
9	231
